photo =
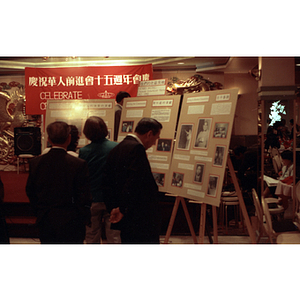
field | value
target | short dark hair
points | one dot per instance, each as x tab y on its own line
121	95
287	154
95	129
147	124
74	138
58	132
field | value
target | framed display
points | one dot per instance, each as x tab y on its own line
201	149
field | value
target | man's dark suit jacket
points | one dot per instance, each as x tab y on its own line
58	189
128	183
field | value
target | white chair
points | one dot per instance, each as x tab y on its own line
262	231
291	237
297	204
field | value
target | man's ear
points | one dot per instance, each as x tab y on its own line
149	133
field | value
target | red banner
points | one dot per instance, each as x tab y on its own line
42	84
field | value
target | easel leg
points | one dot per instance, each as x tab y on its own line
241	201
202	223
188	218
215	224
172	220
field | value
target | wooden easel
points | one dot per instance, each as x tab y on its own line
214	211
173	216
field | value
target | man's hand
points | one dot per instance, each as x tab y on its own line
115	215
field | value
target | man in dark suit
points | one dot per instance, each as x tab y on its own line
58	189
130	190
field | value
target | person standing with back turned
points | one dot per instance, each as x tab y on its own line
131	193
58	188
95	153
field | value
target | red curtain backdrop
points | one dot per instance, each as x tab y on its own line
93	82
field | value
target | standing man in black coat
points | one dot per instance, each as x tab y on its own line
130	190
58	189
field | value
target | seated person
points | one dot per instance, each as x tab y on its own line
287	171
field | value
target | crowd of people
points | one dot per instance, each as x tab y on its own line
74	195
279	136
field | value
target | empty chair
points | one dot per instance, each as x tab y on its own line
262	231
289	237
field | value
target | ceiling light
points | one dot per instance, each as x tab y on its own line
181	63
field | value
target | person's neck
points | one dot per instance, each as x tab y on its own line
139	138
59	146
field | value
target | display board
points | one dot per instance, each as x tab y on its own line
165	110
201	147
152	87
75	112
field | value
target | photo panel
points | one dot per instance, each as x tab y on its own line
177	179
159	179
213	185
127	126
219	156
220	130
203	133
109	134
185	136
199	173
164	145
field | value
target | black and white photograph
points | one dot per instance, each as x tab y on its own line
185	136
212	185
203	131
127	126
159	178
198	177
219	156
177	179
164	145
220	130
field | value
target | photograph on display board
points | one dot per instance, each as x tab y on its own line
199	171
185	136
220	130
212	185
109	133
127	126
164	145
159	179
177	179
219	156
203	131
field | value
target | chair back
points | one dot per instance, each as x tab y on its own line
274	151
258	208
277	163
297	190
269	228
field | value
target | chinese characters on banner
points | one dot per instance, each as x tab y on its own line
202	144
165	110
42	84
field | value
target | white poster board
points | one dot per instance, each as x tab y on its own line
75	112
201	148
165	110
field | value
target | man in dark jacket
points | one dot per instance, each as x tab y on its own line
130	190
58	188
